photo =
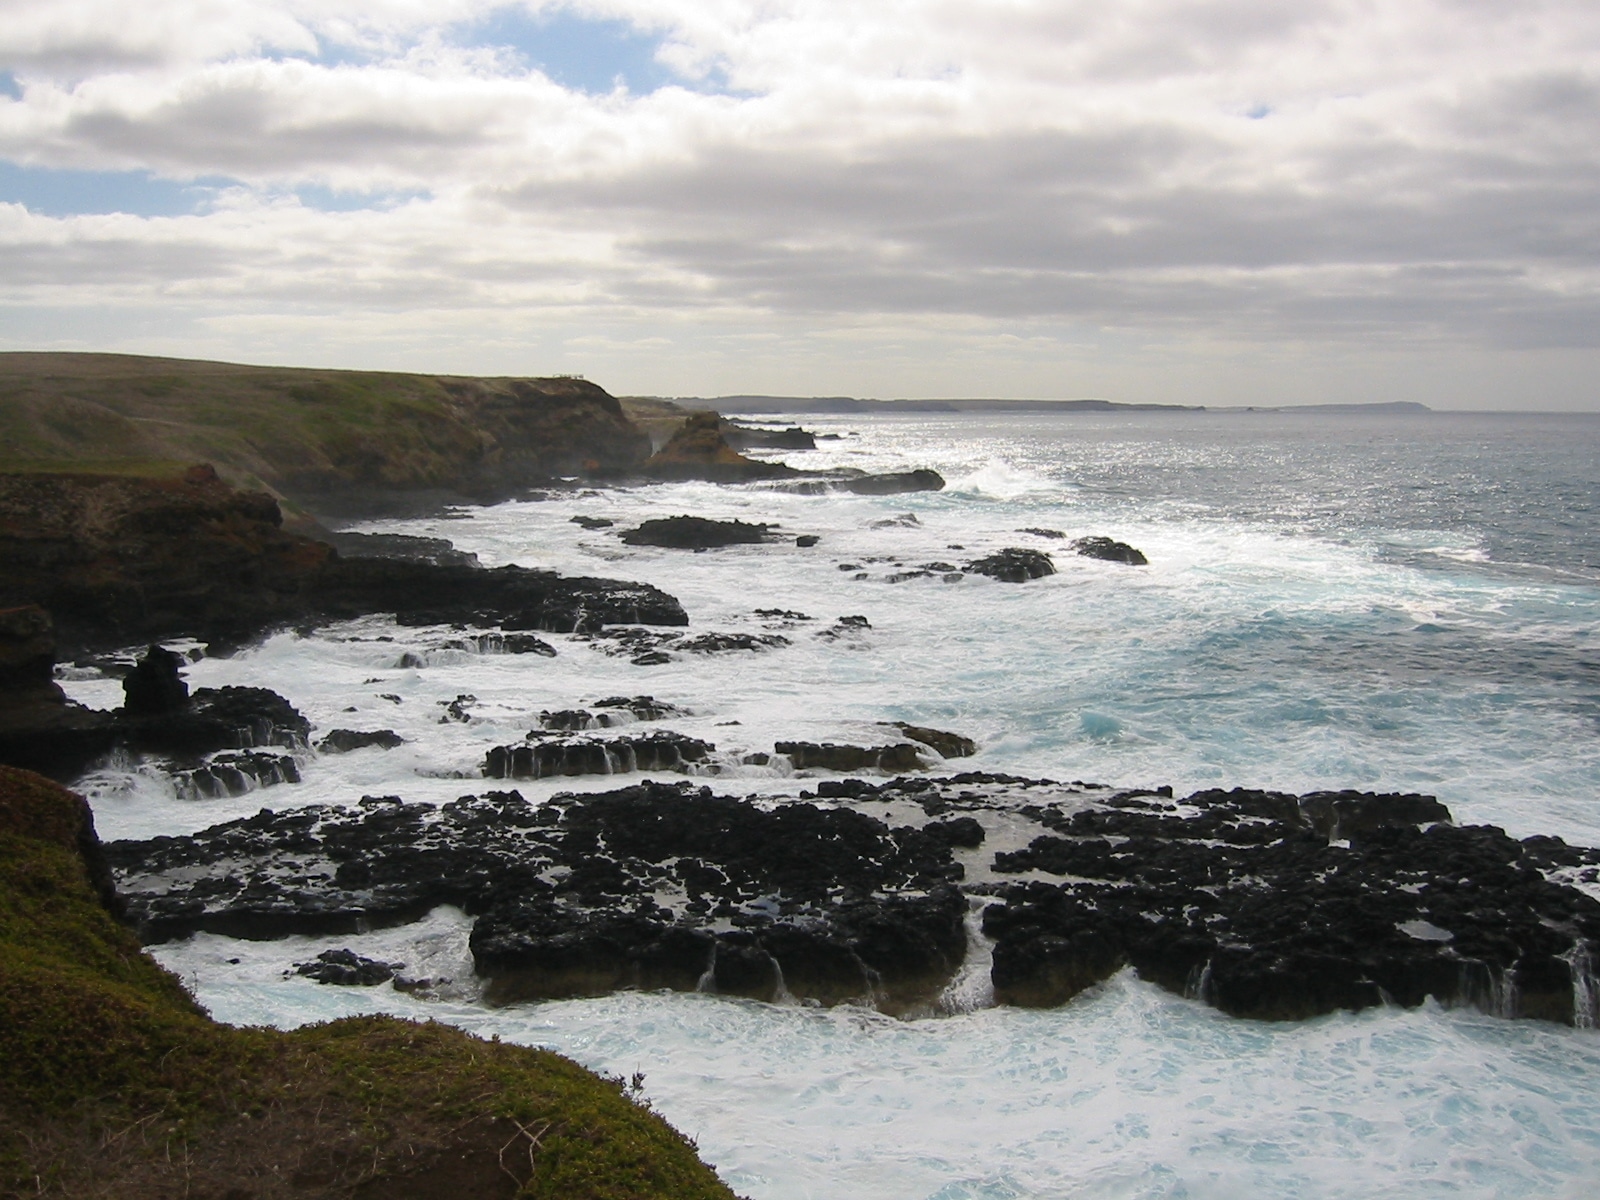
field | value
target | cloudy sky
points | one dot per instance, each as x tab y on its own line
1184	201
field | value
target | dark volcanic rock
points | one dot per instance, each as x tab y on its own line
438	551
921	480
40	729
592	523
723	643
745	437
593	756
949	745
513	598
1109	550
342	741
233	773
1263	904
347	969
226	718
616	710
830	757
154	688
1241	900
1014	564
649	886
695	533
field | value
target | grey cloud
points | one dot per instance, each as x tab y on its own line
1086	226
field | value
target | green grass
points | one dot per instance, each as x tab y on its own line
298	431
114	1083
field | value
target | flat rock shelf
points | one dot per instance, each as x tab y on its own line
1262	904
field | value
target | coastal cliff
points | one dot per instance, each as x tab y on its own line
332	442
116	559
115	1083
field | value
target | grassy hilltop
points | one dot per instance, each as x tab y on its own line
306	434
113	1083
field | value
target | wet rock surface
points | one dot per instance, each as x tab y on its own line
1262	904
695	533
346	968
647	886
1015	564
1109	550
896	483
949	745
342	741
657	751
42	730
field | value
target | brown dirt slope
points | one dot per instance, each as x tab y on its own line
114	1084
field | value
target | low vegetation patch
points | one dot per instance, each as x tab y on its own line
114	1083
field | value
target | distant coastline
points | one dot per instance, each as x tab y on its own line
856	404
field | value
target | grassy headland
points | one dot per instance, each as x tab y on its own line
317	437
114	1083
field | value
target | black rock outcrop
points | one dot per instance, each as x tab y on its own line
648	886
1109	550
1263	904
1015	564
342	741
896	483
695	533
595	756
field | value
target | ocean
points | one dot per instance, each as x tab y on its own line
1384	602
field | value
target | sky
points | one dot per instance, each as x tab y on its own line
1169	201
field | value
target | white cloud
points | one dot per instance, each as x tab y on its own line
1415	176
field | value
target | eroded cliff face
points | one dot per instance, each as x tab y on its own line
123	558
117	560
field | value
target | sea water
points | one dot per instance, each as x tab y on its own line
1381	602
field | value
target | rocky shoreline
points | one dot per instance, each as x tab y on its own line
895	886
1261	904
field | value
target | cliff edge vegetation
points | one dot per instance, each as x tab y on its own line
114	1083
331	441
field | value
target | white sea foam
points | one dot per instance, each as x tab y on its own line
1291	631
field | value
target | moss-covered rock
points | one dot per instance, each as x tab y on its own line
114	1083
